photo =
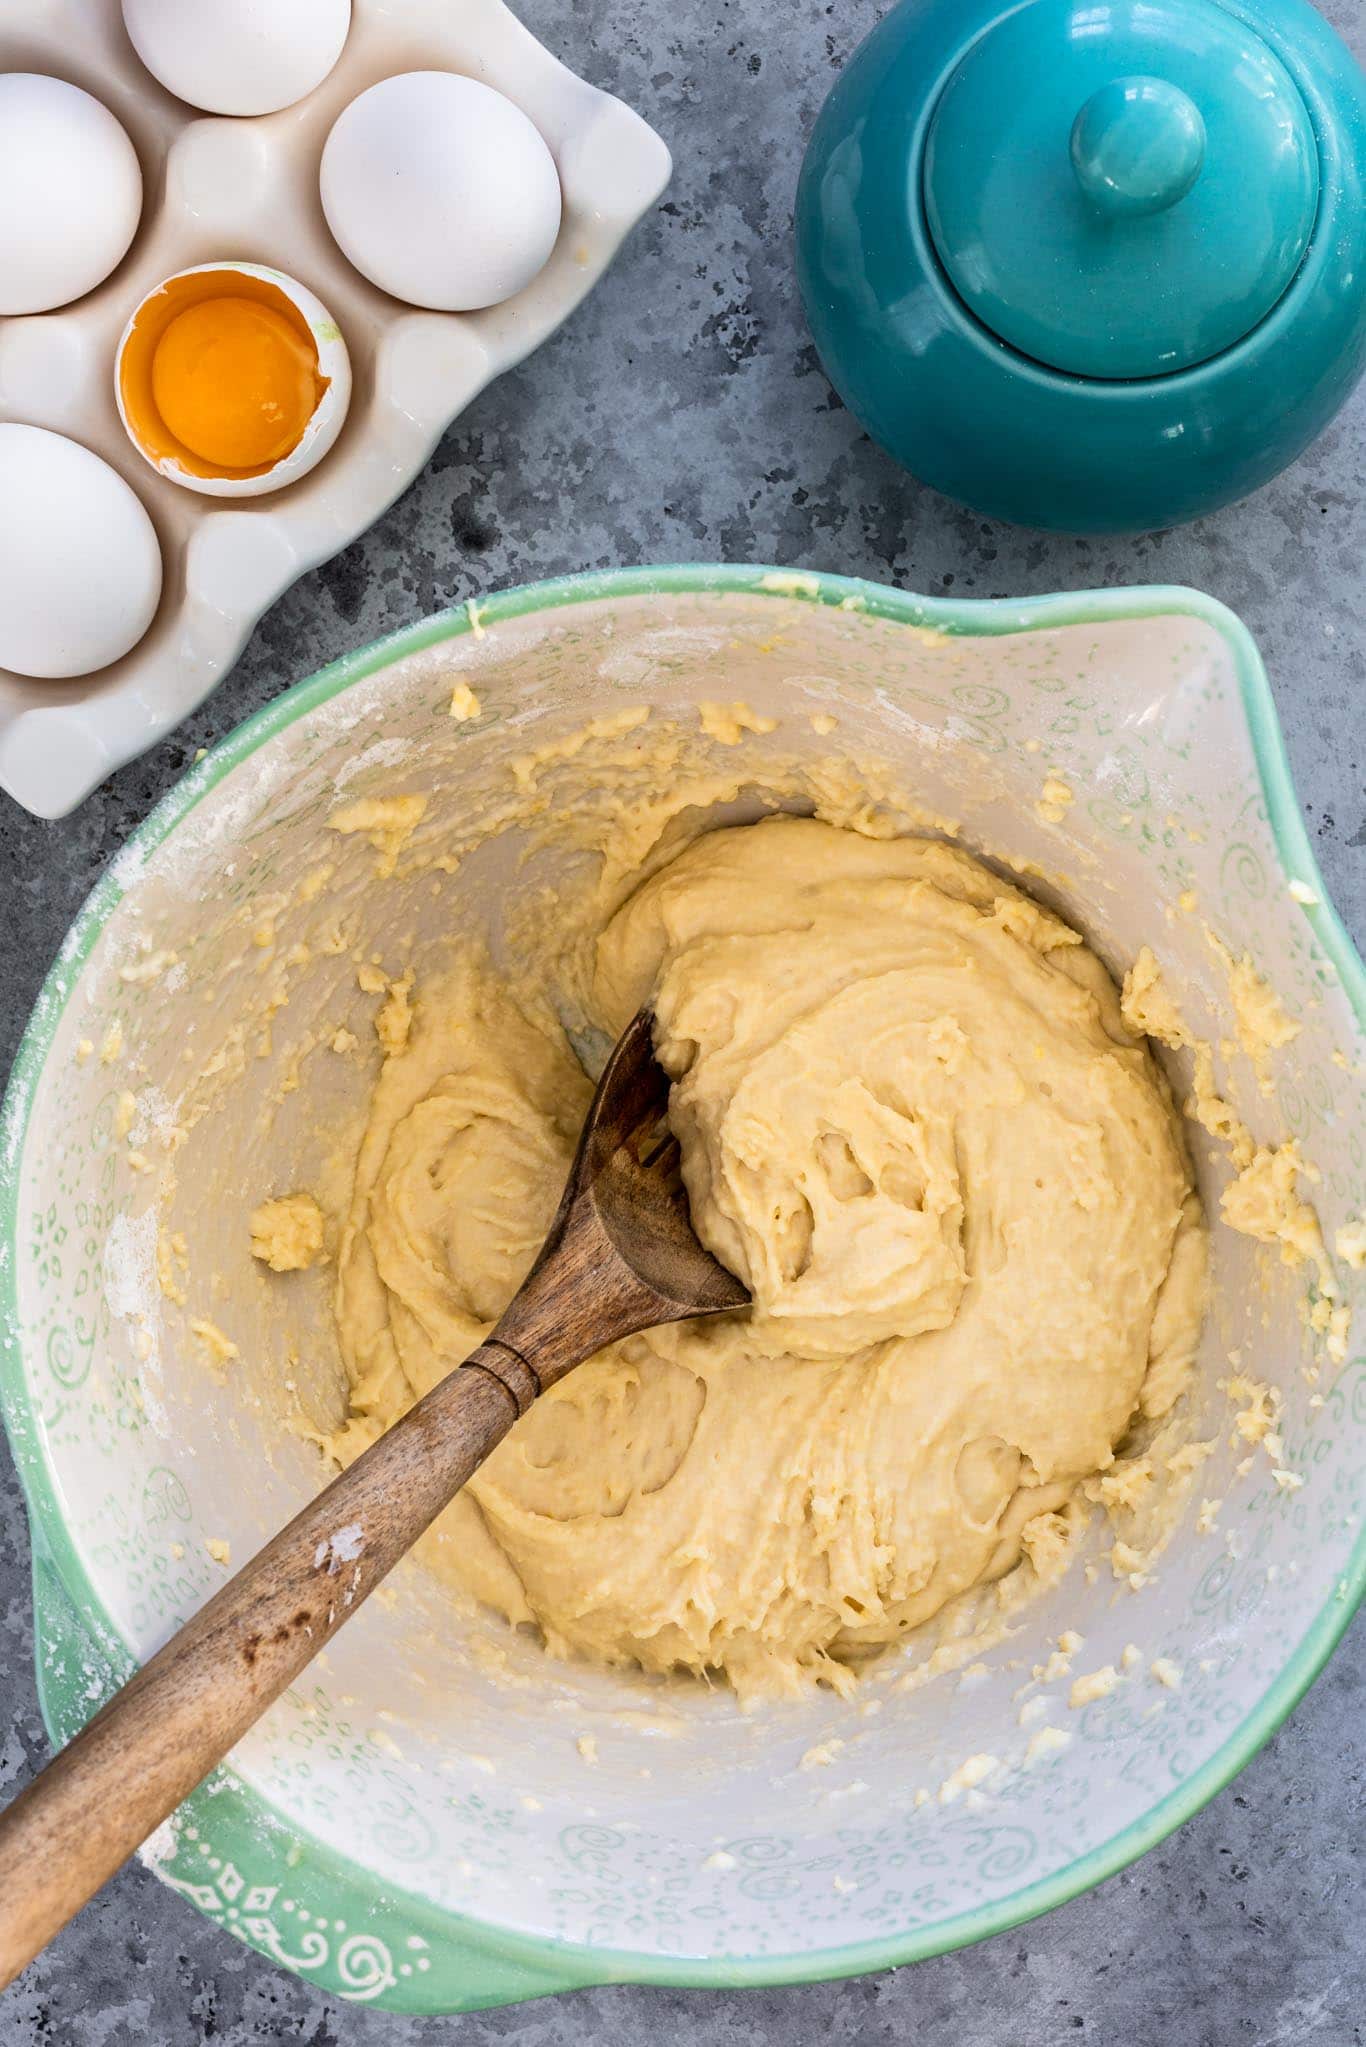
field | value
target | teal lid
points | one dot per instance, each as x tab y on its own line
1121	190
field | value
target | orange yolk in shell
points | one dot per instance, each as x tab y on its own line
220	374
235	382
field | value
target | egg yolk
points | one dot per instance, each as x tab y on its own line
235	382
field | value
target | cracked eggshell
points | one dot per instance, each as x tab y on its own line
139	339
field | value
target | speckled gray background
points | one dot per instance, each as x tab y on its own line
681	416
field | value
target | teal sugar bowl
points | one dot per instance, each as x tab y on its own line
1095	265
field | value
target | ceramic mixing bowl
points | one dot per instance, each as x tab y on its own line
416	1824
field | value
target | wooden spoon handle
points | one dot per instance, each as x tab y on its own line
68	1832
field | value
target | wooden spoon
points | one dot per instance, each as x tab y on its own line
621	1255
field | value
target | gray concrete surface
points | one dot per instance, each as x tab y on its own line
682	415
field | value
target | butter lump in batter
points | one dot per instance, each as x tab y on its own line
287	1233
914	1121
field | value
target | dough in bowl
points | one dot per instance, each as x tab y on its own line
914	1121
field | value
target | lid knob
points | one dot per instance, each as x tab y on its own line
1138	146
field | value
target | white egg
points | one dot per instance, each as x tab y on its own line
80	567
70	192
238	56
441	191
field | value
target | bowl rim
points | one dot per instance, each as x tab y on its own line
561	1964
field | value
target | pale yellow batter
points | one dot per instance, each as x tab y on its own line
915	1121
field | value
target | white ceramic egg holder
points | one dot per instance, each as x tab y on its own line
248	189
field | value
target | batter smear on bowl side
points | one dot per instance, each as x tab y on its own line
914	1121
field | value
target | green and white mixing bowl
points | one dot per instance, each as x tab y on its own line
415	1825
